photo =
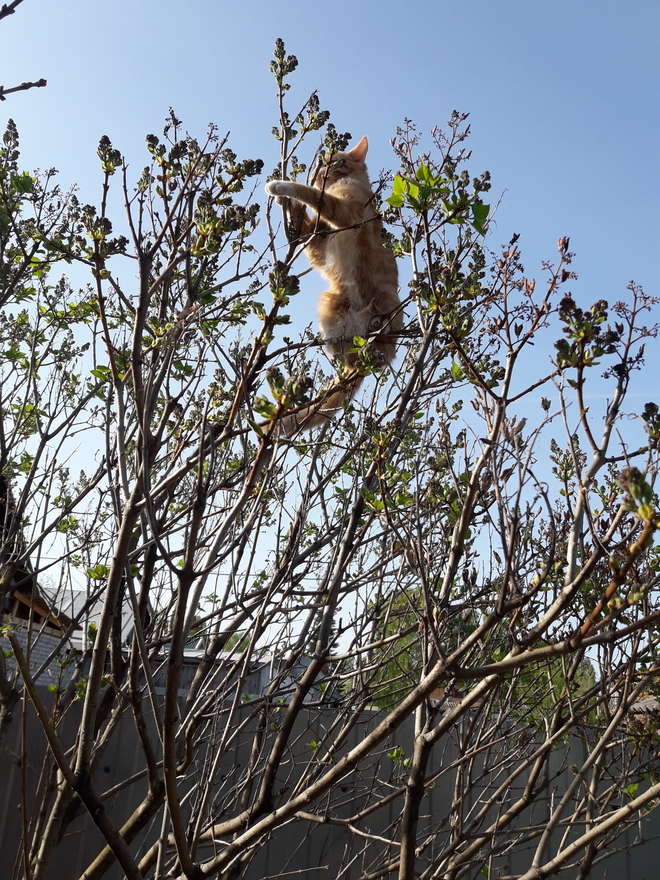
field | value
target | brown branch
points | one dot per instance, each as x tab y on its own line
9	8
618	580
140	817
23	87
415	789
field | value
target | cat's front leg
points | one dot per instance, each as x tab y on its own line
337	213
297	193
300	223
280	189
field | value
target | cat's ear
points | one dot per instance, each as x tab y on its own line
359	151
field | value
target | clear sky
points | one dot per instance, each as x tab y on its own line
563	95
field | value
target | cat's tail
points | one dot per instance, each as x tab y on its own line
322	410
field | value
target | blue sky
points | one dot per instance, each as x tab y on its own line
563	98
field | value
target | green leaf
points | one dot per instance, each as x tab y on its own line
424	175
101	372
25	463
399	186
480	216
98	572
456	371
13	353
67	524
399	189
264	407
22	183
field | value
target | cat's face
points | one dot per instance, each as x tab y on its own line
340	165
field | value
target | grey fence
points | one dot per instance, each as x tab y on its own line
301	849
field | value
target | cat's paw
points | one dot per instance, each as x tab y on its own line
276	187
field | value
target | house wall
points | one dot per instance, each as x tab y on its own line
43	641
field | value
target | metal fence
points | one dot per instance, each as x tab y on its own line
300	849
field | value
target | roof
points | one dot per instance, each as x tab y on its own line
41	605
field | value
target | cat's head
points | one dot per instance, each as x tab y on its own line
348	164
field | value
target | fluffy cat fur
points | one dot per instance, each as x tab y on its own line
345	245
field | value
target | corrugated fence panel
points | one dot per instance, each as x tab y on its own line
300	849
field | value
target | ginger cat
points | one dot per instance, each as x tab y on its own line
345	245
